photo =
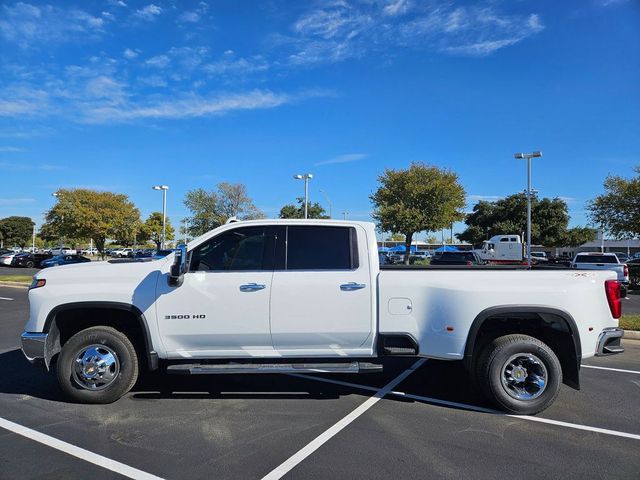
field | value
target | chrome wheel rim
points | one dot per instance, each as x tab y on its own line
95	367
524	376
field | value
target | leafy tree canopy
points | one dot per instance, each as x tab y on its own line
618	209
314	210
420	198
210	209
152	229
549	221
83	213
16	231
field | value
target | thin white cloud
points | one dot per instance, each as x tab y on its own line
149	13
397	7
25	24
11	149
346	158
189	17
189	107
339	30
15	201
159	61
129	53
229	64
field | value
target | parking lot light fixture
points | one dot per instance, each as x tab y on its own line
529	193
164	189
306	177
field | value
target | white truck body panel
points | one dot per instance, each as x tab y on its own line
447	298
306	314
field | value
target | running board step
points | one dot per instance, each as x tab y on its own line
227	368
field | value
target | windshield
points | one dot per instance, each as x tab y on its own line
596	259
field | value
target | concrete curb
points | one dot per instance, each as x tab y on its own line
631	335
14	284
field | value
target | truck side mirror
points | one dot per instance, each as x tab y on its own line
179	267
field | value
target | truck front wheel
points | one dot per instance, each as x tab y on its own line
97	365
519	374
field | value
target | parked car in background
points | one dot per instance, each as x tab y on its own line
121	252
89	251
540	257
29	260
601	261
4	250
383	259
143	254
6	258
623	257
457	258
63	260
63	250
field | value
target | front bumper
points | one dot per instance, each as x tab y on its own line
34	347
609	342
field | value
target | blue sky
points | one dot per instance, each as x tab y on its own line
123	95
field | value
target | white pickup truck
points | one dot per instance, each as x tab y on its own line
309	295
601	261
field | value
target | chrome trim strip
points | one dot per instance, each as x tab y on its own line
34	345
607	334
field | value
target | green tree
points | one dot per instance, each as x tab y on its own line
618	209
395	237
314	210
549	221
16	230
83	213
210	209
422	197
152	229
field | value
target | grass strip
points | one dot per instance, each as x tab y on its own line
16	278
630	322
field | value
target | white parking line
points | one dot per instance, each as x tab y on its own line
77	452
6	298
466	406
325	436
611	369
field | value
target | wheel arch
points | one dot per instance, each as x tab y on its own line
569	354
54	343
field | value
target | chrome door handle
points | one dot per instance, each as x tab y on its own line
348	287
252	287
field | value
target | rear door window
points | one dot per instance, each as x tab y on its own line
321	248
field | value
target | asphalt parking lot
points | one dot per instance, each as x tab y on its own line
412	421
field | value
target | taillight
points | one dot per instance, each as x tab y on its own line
612	289
469	263
37	283
626	270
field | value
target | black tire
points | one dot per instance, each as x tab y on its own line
109	341
495	374
30	264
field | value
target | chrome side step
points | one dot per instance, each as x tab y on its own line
228	368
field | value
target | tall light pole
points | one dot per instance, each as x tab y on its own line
306	177
329	202
60	238
529	192
164	189
344	215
